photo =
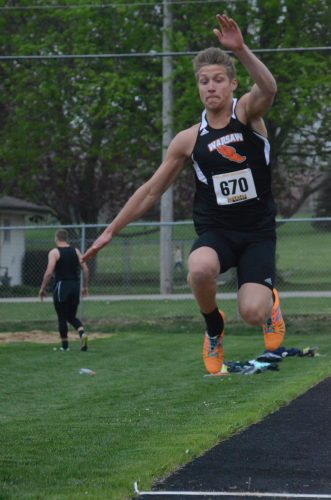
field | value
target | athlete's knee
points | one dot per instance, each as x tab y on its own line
252	313
75	322
255	302
203	266
199	277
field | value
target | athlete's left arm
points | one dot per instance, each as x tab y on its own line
253	105
261	96
85	271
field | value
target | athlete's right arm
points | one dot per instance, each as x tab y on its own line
151	191
53	257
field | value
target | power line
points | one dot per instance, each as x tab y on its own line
149	54
107	5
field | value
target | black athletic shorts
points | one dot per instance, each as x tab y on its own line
67	291
252	253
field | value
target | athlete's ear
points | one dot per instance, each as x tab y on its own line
234	84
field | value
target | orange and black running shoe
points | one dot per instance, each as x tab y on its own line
213	353
274	329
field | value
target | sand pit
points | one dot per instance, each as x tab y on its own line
41	337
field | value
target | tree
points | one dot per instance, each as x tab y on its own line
301	117
72	154
80	135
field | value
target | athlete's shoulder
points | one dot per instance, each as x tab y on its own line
251	120
53	256
189	132
54	252
185	139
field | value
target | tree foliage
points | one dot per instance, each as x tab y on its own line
75	130
79	135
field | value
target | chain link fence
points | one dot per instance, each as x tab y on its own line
129	268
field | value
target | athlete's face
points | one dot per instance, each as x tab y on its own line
215	87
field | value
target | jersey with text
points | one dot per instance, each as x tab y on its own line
233	178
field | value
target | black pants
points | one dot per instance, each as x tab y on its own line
66	300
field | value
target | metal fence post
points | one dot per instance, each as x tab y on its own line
82	250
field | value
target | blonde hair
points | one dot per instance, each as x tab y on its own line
62	235
214	55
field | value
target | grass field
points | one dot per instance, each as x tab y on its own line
148	410
147	315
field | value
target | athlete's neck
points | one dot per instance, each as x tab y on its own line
220	118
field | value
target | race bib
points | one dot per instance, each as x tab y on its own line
234	187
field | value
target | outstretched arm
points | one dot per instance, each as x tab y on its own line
149	193
256	102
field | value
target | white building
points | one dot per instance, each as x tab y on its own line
13	215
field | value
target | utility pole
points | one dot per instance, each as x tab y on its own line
166	250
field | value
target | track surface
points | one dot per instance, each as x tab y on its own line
288	452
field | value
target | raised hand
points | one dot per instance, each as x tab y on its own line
99	243
229	34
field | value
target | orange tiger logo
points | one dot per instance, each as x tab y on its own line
230	153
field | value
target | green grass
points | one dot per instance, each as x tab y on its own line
148	410
147	315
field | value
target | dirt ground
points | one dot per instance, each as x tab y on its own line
41	337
